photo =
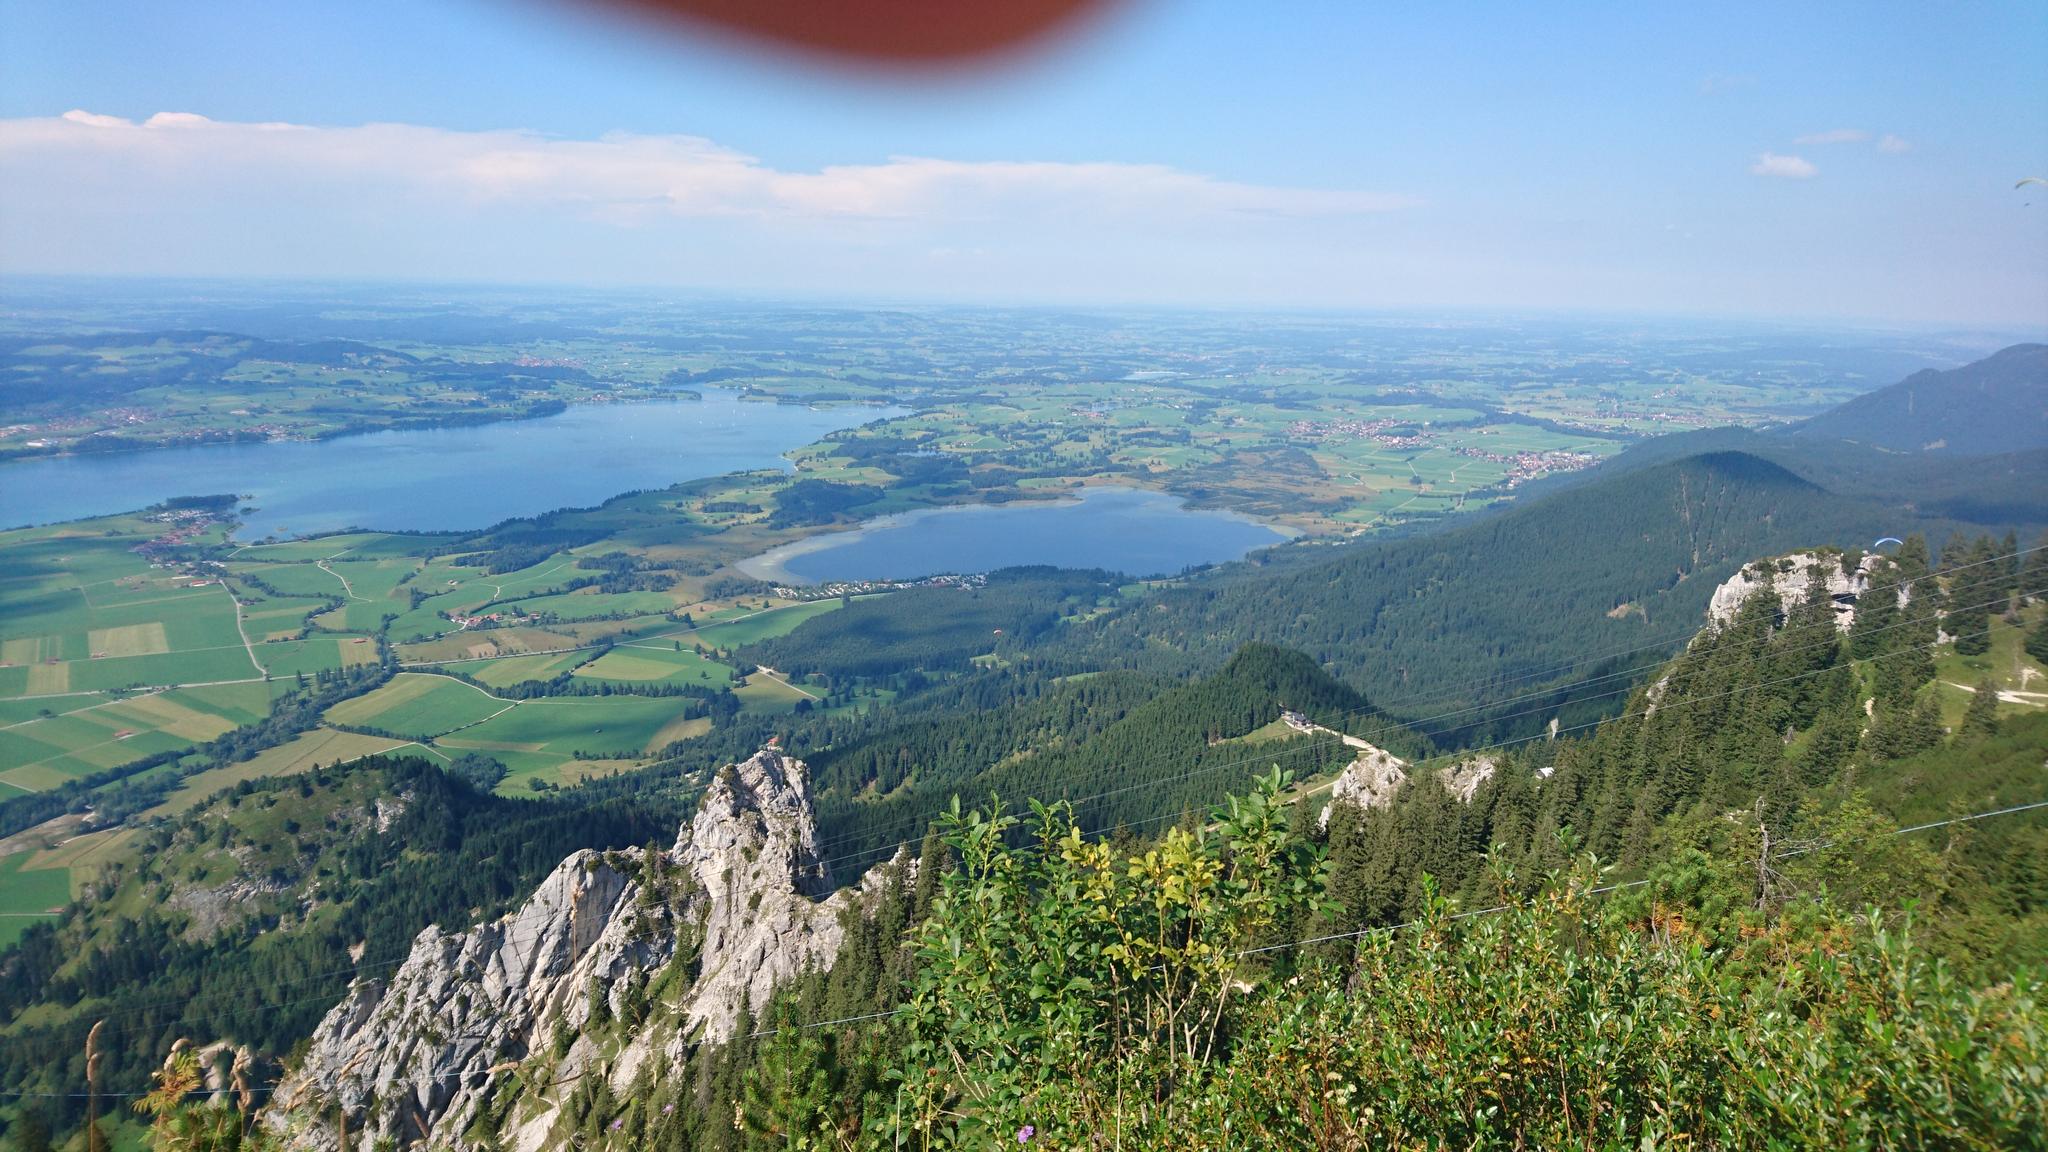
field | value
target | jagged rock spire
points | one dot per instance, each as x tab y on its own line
418	1058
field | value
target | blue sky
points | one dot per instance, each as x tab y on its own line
1833	162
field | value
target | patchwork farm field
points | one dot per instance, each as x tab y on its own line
28	895
559	740
510	670
484	644
765	693
604	727
315	749
754	626
417	705
652	663
82	639
585	605
41	753
314	653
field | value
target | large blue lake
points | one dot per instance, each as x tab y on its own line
454	478
1129	530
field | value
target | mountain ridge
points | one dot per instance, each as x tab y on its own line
1997	404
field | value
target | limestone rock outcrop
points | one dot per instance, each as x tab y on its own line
1788	577
742	896
753	852
1369	781
1377	775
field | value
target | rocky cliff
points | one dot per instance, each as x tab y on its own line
1376	775
486	1028
1789	576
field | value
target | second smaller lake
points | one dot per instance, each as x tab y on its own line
1127	530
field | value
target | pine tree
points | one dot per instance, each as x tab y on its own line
1912	557
1973	587
1808	644
1980	720
933	862
2037	641
1877	610
786	1095
2034	570
1836	728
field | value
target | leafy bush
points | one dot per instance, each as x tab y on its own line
1099	998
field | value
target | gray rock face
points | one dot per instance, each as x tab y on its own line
400	1058
1788	576
1464	778
420	1057
753	851
1373	779
1370	781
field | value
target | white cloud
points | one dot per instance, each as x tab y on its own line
1894	144
1835	136
628	178
1791	167
93	119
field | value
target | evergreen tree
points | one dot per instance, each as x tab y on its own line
1913	558
1976	582
1980	720
2034	570
2037	641
785	1101
1877	610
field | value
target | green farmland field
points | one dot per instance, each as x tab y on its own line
758	626
559	740
417	705
90	733
589	605
510	670
29	895
610	727
654	661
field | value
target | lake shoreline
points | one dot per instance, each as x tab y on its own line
772	566
415	424
460	478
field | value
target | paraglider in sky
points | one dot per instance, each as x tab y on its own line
1882	541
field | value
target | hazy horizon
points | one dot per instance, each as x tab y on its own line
286	289
1829	168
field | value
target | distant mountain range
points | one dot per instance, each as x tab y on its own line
1997	404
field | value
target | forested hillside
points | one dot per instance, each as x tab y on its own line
1140	754
1993	405
1994	491
933	630
1597	579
